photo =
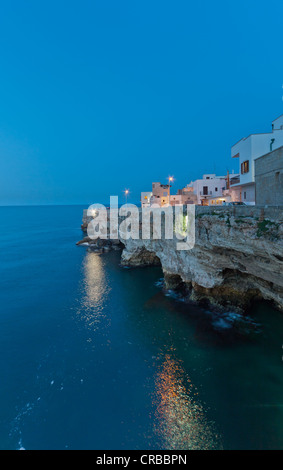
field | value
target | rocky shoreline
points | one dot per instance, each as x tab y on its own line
237	258
100	245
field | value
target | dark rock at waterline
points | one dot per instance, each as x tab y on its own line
116	242
84	240
100	245
116	247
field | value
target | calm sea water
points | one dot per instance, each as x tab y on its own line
96	356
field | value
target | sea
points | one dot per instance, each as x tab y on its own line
98	356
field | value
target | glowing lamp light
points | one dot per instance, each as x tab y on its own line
126	192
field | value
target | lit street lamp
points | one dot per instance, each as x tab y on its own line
126	194
170	179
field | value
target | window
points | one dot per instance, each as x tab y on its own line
277	176
216	189
245	195
205	190
245	167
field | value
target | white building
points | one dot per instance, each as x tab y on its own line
146	198
247	150
210	189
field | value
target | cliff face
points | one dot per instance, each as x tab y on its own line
237	257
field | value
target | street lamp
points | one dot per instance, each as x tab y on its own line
126	194
170	179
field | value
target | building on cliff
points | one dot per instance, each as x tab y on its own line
269	178
160	194
210	190
248	150
186	195
146	198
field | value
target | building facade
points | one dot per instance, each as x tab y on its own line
209	188
247	150
146	198
160	194
269	178
186	195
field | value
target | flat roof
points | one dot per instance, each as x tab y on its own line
258	133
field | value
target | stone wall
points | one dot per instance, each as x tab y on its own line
273	213
269	178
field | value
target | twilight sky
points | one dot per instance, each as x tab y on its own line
99	96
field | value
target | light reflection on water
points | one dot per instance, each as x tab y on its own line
79	342
180	421
96	289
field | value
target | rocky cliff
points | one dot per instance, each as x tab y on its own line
237	257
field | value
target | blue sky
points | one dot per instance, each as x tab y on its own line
99	96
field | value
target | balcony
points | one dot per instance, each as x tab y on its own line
205	193
235	180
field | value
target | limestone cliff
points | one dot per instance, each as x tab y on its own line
237	257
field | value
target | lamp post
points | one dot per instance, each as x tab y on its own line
170	179
126	194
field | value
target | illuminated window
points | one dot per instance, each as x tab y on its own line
245	167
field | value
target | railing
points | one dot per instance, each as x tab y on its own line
235	180
204	193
